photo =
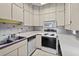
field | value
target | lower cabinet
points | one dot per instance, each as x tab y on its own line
22	51
17	49
13	53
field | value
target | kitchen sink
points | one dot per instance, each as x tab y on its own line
7	41
18	38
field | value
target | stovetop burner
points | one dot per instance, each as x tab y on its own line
46	34
52	34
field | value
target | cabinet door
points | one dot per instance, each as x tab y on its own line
67	16
26	6
13	53
22	51
36	20
60	18
31	19
38	41
26	18
75	16
17	13
60	6
5	10
19	4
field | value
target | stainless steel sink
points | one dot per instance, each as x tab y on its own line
7	41
18	38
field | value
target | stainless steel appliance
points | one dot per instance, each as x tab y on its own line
49	37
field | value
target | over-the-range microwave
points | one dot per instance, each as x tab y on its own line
49	24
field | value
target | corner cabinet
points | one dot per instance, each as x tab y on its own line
5	10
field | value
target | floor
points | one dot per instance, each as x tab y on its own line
42	53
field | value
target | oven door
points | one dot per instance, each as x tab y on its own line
49	42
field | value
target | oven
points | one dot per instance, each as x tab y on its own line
49	42
49	37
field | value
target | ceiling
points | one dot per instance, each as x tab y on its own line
38	4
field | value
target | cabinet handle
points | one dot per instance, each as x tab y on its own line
70	22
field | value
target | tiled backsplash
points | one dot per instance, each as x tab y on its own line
37	28
7	29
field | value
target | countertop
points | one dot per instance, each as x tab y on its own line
69	43
29	34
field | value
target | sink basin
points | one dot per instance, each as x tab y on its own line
10	41
7	41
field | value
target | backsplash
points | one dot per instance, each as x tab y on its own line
7	29
37	28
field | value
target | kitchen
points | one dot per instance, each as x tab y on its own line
35	29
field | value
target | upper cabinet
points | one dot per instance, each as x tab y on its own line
5	10
60	18
36	16
60	6
67	16
19	5
26	6
47	13
26	18
28	14
36	20
60	14
17	13
74	16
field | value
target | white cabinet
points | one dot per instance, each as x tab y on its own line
17	13
36	20
26	6
26	18
74	16
28	15
5	10
47	17
36	16
22	51
47	13
38	41
60	6
60	14
17	49
67	16
13	53
60	18
31	19
19	4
